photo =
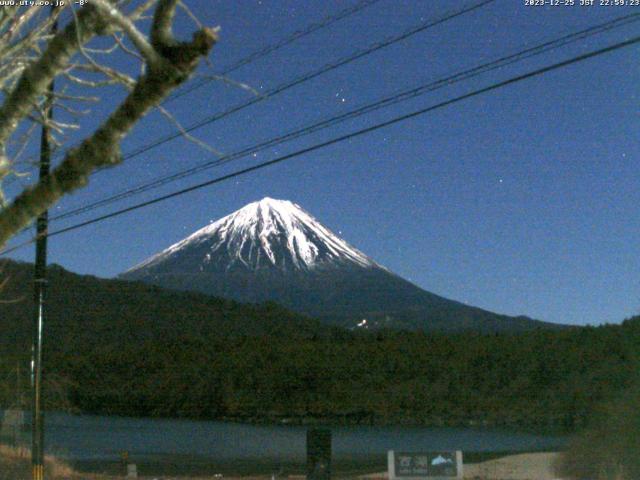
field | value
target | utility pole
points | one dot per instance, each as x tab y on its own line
40	292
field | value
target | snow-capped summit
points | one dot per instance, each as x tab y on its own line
273	250
270	233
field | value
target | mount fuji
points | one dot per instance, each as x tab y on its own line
273	250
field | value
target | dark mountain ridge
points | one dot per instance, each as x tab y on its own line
273	250
101	310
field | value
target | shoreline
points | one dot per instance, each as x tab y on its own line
352	421
524	466
370	467
339	421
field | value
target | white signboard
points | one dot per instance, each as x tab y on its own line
425	465
132	471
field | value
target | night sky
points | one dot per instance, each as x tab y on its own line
521	201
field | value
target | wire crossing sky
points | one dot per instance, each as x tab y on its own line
314	27
522	200
373	128
398	97
316	73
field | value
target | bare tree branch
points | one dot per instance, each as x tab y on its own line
204	145
137	38
35	79
139	12
171	63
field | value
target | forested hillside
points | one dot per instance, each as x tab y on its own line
535	380
114	347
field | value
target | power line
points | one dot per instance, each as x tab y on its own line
357	133
386	102
278	45
252	57
305	78
309	76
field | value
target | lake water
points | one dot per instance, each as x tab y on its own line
101	438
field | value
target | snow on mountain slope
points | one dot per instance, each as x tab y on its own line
266	234
273	250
